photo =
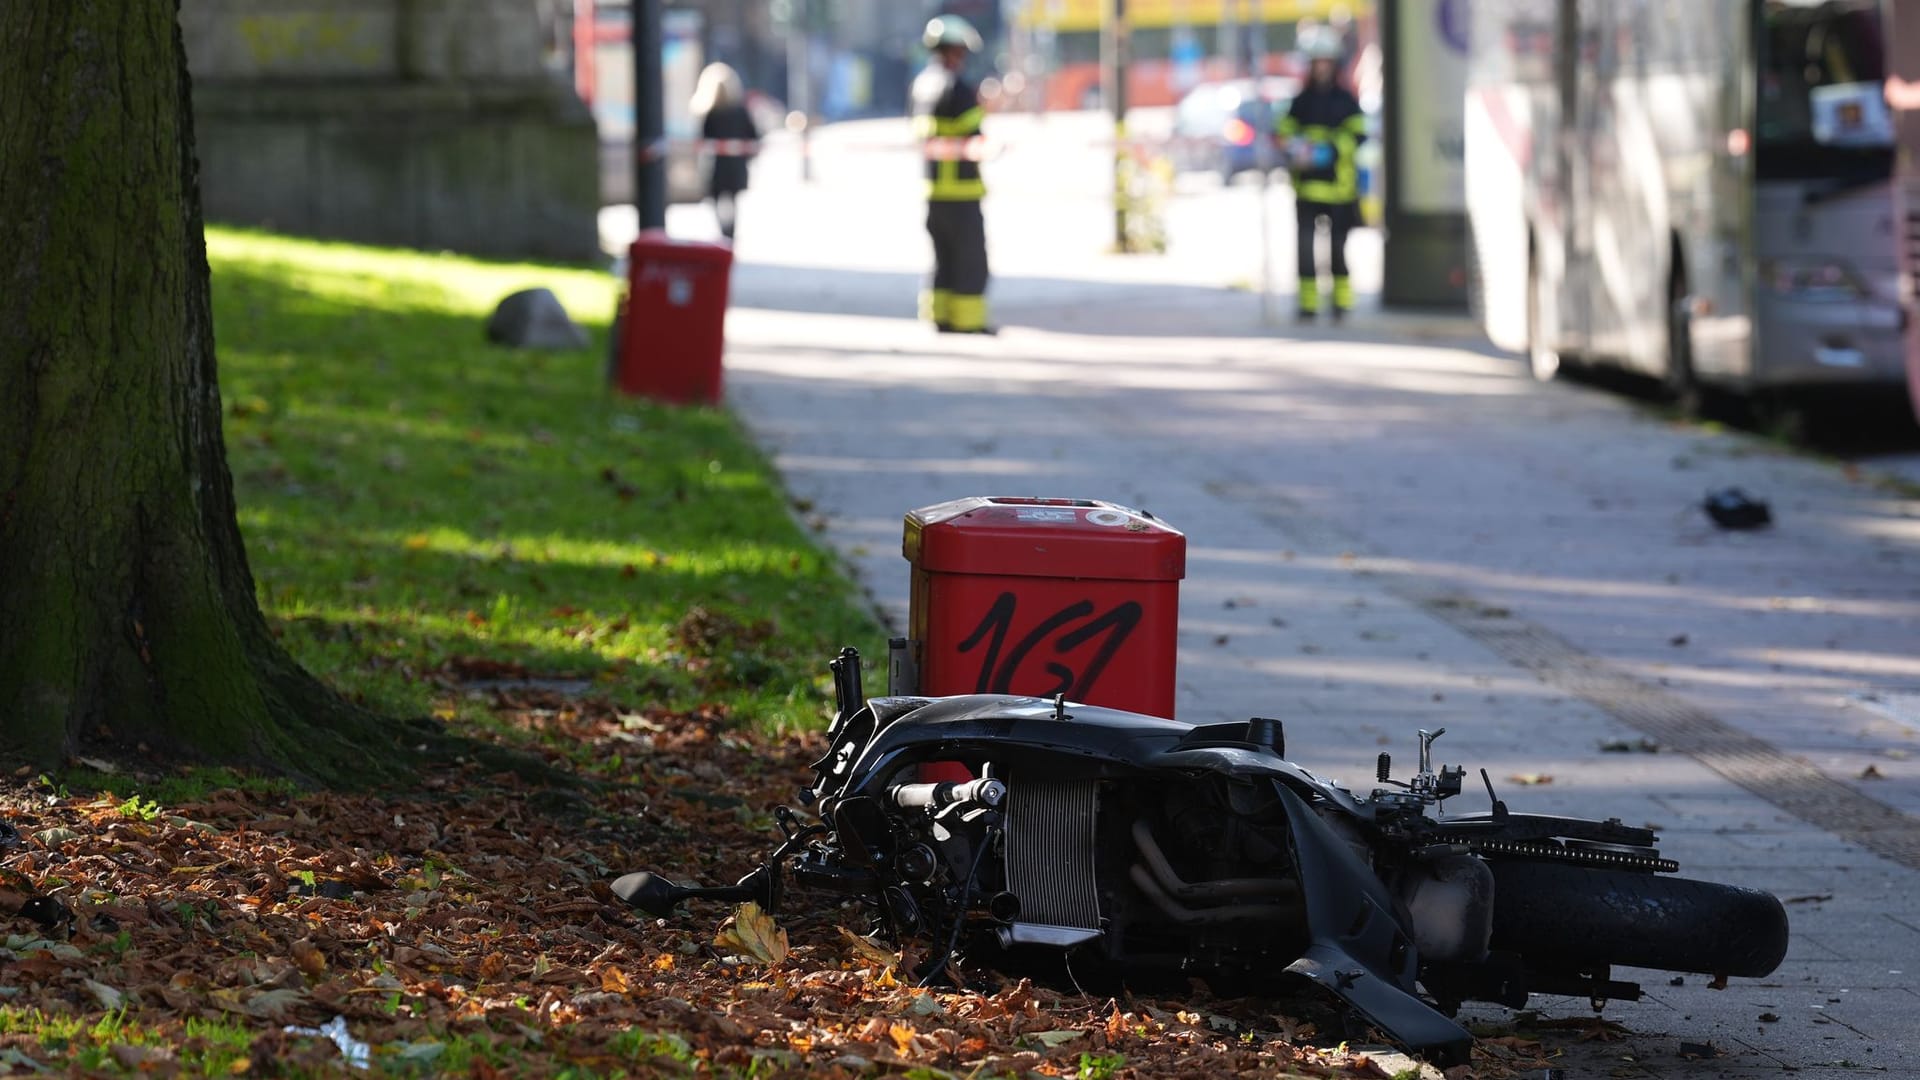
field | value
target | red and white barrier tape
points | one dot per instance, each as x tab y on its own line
659	148
960	148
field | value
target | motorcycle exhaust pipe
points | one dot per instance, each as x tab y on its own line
1213	916
1221	889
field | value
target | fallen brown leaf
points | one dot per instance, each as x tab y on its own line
753	934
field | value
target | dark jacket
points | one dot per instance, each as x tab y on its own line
729	170
946	111
1329	118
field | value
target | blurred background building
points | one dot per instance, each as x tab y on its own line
435	124
501	126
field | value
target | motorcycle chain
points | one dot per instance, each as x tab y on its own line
1612	860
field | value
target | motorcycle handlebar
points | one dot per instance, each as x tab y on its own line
985	791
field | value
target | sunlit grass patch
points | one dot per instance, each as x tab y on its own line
412	496
32	1040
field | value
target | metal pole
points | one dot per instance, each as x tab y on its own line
1118	58
1229	37
649	118
1263	159
800	84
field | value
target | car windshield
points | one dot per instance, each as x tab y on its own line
1820	108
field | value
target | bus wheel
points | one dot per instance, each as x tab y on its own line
1545	362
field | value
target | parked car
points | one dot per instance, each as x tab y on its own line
1224	127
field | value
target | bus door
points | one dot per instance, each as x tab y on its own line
1903	63
1718	260
1573	70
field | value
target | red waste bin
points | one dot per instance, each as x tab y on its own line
673	325
1045	597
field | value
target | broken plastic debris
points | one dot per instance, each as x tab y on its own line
356	1053
1731	508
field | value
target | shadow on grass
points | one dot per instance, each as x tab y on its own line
412	495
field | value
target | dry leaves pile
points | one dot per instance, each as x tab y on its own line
475	916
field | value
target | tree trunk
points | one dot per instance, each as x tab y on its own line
127	611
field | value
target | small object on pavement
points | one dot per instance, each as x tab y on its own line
534	319
1699	1050
1731	508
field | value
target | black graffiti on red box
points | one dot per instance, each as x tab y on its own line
1066	630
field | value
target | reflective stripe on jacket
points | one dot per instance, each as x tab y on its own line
1326	116
946	108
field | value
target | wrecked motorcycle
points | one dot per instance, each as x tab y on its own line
1128	849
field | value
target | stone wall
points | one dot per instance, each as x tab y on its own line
424	123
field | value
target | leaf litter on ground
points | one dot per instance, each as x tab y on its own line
471	921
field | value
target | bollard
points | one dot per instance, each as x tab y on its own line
673	322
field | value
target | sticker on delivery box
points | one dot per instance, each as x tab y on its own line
1046	514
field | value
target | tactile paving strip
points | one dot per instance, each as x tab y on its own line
1753	763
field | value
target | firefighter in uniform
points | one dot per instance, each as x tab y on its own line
946	116
1320	134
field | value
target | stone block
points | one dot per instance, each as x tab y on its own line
534	319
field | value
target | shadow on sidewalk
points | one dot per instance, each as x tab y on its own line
1104	308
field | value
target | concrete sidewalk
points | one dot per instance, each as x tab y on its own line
1388	534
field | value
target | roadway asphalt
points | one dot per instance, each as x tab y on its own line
1391	527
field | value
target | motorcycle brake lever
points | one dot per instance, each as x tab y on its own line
1499	807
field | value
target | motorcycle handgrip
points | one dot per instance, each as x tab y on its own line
985	791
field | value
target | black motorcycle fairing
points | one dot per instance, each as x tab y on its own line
1000	727
1359	949
995	726
851	732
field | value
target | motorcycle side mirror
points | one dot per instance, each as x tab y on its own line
658	896
651	893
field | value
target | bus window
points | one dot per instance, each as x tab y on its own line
1821	111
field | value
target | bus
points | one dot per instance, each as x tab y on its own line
1175	44
1696	190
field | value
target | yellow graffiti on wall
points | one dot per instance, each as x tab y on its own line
274	40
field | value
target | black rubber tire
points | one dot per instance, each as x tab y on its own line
1562	917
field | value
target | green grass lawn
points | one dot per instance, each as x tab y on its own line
415	500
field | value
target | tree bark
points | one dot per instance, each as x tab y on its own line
127	611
